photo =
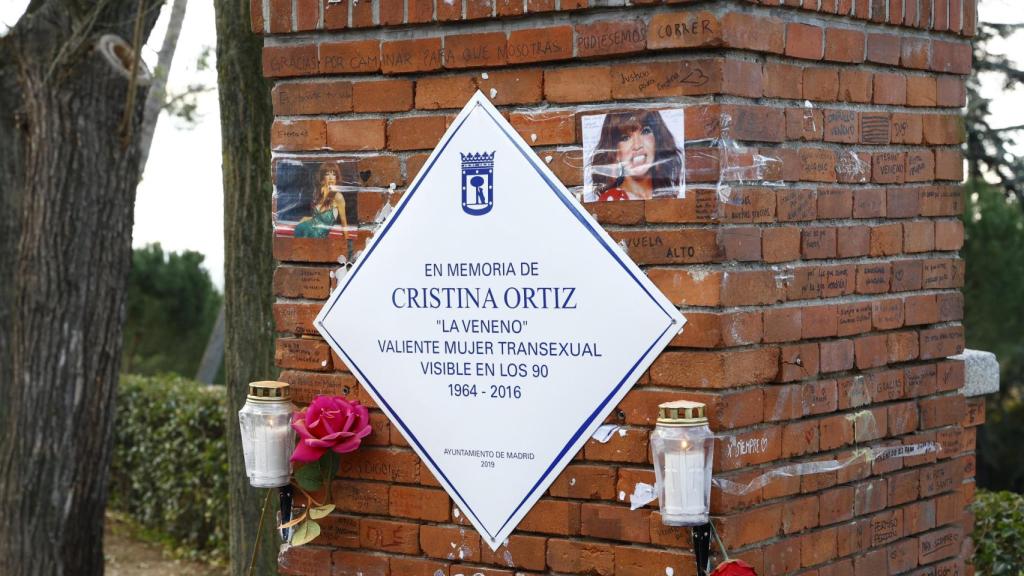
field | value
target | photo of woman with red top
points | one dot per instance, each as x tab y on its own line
636	156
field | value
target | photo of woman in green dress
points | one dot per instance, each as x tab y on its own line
328	206
315	198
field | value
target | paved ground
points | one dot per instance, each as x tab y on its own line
127	556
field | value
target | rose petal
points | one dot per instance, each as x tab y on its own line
300	428
317	443
347	446
306	454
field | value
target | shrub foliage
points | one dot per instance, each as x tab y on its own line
999	533
170	468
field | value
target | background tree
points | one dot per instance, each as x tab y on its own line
994	252
246	115
71	105
990	151
172	306
994	302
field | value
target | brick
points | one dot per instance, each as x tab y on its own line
921	91
855	85
782	80
890	89
475	50
780	244
280	16
799	514
313	98
540	44
355	134
835	505
256	16
741	78
883	49
939	544
782	557
836	356
804	41
622	447
305	561
752	526
842	45
415	132
359	57
285	61
715	369
382	96
520	551
417	567
438	541
580	557
942	342
755	33
915	53
614	522
951	57
405	56
667	30
573	85
821	84
818	547
335	15
399	537
631	561
552	517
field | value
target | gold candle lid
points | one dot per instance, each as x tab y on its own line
682	413
269	391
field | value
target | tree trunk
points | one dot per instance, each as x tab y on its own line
246	115
67	181
158	90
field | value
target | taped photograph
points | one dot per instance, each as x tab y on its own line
315	198
633	155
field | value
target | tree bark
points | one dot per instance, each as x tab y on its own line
67	182
158	90
246	115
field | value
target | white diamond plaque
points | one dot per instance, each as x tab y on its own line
494	321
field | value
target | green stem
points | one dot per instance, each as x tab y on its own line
259	532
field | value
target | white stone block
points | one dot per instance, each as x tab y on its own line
981	372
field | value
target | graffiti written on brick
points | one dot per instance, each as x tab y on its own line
798	204
936	545
834	279
874	128
889	166
841	125
937	274
917	165
611	40
885	529
685	29
737	448
536	50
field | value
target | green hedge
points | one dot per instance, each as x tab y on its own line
999	533
170	468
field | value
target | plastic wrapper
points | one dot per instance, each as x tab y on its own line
633	155
644	494
329	197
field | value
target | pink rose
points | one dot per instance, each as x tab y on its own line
329	423
734	568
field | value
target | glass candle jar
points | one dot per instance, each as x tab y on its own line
267	436
683	448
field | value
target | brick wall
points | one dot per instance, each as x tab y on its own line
814	255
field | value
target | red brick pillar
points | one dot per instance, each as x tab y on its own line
814	255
